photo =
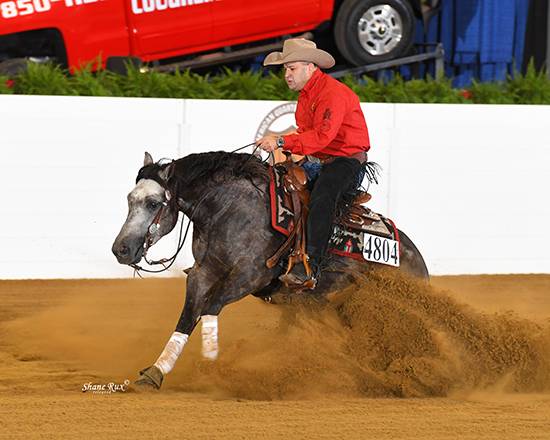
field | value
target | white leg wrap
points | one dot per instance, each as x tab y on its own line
171	352
210	337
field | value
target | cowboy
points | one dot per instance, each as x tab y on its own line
332	134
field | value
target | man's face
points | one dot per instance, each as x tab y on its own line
297	74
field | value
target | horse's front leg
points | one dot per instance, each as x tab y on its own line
207	294
198	284
209	332
239	282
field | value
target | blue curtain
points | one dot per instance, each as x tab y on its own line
483	39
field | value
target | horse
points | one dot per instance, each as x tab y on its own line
226	197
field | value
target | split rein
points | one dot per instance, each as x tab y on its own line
154	227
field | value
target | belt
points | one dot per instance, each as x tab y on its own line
361	157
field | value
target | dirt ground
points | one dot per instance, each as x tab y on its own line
395	359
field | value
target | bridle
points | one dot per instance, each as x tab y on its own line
154	227
152	230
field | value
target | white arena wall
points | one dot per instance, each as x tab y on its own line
468	183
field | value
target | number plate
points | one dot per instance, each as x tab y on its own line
380	250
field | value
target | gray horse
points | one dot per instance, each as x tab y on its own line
226	197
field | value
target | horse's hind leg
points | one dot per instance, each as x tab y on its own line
411	258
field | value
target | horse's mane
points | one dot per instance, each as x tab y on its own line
221	166
202	168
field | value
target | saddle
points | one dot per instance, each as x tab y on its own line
289	186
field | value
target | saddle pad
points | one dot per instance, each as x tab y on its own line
346	240
378	242
374	224
282	217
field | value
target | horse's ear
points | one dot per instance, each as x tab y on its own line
148	159
165	173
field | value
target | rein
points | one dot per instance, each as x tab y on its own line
154	227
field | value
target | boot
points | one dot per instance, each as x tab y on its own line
298	278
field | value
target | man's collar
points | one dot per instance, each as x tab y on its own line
312	81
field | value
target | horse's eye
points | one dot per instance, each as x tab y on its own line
151	206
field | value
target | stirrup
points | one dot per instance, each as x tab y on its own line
291	281
307	280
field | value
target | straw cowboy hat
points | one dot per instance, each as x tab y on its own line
300	49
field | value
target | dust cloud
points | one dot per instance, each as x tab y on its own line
388	336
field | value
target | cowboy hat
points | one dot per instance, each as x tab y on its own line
300	49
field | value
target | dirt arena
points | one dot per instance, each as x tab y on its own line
467	357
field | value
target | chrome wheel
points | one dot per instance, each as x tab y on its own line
380	29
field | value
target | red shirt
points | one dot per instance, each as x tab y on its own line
330	120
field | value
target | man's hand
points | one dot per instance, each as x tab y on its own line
267	143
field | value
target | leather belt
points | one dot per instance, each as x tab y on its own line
361	157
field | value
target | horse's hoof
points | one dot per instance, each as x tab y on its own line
150	377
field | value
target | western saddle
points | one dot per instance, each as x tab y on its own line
296	196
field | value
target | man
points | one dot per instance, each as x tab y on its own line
332	133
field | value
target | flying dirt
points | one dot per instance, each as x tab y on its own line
383	341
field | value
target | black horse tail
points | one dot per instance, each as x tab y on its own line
372	171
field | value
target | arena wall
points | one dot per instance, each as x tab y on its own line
467	183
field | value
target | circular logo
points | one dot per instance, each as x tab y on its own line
278	121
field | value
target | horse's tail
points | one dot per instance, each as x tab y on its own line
372	171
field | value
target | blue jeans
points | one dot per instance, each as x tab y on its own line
313	169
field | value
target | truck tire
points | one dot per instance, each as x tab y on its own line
120	65
371	31
13	66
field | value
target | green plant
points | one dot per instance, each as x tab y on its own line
44	79
490	93
533	87
6	85
101	83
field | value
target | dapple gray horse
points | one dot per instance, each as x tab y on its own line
226	197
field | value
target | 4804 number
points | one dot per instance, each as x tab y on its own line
381	250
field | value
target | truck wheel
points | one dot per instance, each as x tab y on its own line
120	65
13	66
370	31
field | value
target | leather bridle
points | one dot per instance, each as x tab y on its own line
154	227
152	230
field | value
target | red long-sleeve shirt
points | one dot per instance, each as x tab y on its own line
330	120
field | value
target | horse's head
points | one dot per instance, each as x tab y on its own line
152	213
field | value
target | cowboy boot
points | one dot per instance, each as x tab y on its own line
298	277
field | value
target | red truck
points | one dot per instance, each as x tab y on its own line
73	32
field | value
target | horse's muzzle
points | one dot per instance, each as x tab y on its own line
126	254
